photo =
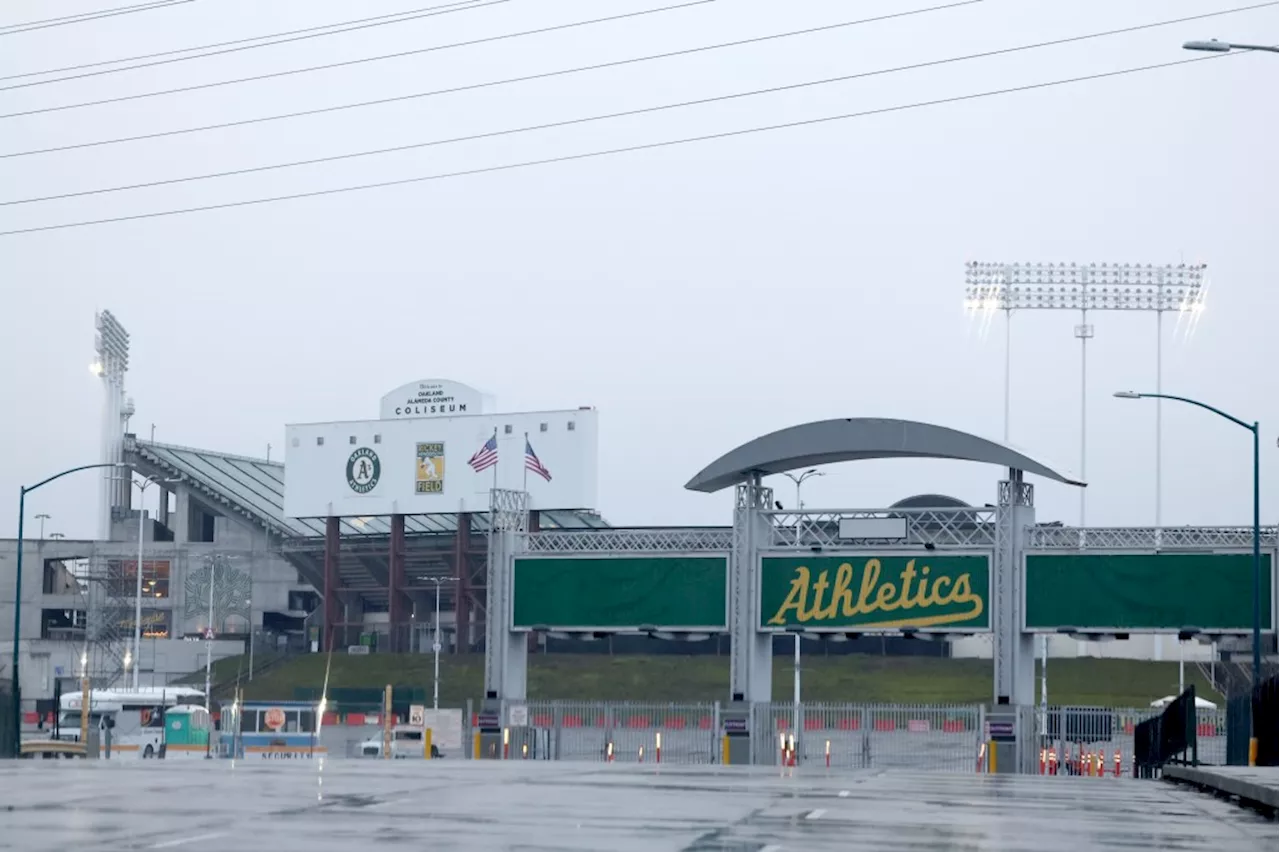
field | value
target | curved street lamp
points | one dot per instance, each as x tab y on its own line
1215	46
23	491
1257	554
1257	535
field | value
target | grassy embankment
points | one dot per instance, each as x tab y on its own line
855	678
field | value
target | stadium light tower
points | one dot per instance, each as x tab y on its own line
112	346
1009	287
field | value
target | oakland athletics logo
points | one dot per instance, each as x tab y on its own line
363	470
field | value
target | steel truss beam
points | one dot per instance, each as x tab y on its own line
1148	538
942	527
640	540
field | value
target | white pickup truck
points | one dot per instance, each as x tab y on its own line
406	742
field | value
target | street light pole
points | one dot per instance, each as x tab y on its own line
23	490
1257	524
208	640
435	645
798	479
42	517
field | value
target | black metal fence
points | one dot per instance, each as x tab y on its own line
1239	728
7	724
1252	714
1265	721
1167	738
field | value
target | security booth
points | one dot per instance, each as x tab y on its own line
1010	733
489	738
736	731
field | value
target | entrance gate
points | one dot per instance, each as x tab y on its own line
829	575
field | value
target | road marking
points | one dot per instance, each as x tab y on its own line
182	841
773	847
844	794
815	814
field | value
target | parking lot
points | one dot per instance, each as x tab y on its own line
526	805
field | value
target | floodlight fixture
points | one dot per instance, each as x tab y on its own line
112	346
993	287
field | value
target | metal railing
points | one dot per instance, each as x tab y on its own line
1069	733
943	738
623	732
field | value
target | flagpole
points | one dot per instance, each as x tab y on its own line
525	486
497	457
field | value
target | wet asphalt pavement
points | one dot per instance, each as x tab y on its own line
53	806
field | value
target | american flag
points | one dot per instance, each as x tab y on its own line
485	457
532	463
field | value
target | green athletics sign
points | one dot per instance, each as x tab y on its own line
621	592
1145	592
865	592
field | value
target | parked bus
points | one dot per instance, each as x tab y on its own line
274	730
133	717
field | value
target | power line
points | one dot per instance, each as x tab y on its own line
612	151
401	17
85	14
485	40
219	44
599	66
512	131
492	83
66	20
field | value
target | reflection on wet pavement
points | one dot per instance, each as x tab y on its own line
52	806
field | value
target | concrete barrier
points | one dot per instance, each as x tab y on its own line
1254	786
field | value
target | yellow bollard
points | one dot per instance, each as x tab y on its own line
1253	751
477	745
426	743
387	724
724	750
991	757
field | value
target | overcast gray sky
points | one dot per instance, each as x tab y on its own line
698	295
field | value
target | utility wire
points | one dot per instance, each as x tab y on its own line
85	14
485	40
649	146
612	64
429	12
66	20
221	43
492	83
512	131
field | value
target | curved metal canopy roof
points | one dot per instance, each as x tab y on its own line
857	438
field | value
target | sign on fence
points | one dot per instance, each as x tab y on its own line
446	729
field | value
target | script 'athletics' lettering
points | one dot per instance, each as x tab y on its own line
818	600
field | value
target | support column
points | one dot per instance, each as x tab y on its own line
750	651
506	654
1014	650
332	582
462	586
399	628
